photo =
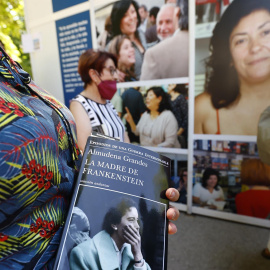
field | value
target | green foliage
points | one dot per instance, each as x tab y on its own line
12	25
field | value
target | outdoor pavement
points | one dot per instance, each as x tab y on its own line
204	243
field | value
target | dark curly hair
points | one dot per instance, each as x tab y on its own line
221	77
115	213
165	101
118	12
206	175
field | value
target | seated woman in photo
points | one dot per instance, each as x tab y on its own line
254	202
157	126
117	246
208	191
121	46
237	71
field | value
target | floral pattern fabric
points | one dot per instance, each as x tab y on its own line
37	170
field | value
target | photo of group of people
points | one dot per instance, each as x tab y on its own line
140	63
154	116
90	242
229	176
149	38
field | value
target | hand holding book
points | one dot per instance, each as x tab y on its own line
172	194
130	187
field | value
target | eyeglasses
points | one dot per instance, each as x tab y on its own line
112	70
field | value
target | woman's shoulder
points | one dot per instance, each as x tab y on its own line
82	246
167	114
78	98
204	113
203	100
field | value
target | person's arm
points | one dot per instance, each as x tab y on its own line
202	103
126	138
170	130
133	237
183	107
83	125
180	131
221	197
130	120
196	195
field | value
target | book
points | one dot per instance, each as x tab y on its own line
114	176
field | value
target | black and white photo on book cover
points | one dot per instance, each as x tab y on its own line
117	217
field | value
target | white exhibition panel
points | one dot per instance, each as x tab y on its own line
45	62
47	73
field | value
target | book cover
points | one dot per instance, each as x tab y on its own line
117	216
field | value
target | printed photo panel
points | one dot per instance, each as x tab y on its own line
150	38
232	71
155	116
229	176
145	215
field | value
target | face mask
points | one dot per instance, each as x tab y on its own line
107	89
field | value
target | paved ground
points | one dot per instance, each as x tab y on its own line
204	243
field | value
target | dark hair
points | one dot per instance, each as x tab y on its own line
206	175
118	12
115	213
92	59
153	12
221	77
181	89
182	173
165	101
108	25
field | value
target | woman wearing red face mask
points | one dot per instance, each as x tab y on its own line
92	108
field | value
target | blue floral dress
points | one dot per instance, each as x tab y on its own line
39	158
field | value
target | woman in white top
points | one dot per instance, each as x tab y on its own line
208	191
157	126
92	109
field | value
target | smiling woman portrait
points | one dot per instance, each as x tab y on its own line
117	246
125	20
237	71
157	126
121	46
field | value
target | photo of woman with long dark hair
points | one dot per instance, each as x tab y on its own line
125	20
237	72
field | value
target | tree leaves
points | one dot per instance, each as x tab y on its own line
12	25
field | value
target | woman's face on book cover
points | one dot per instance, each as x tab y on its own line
130	219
